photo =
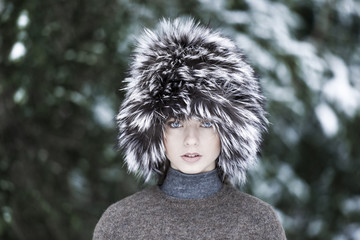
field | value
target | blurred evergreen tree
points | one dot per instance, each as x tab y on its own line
62	63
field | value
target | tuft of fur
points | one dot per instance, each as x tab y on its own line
184	69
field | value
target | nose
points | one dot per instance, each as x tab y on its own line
191	136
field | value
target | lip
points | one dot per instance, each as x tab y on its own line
186	157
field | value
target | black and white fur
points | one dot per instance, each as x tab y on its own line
180	70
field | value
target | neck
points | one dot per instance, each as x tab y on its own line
191	186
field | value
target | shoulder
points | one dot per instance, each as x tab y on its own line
143	196
130	203
122	213
248	202
257	214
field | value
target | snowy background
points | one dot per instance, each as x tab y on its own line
62	63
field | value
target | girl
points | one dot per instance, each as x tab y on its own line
193	117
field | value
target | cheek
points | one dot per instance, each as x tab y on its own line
215	143
218	140
218	144
165	143
168	143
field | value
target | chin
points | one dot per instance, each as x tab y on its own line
193	170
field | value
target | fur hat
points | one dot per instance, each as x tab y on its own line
183	69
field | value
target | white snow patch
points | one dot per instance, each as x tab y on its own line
103	113
17	51
23	19
339	90
328	119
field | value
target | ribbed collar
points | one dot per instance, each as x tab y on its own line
191	186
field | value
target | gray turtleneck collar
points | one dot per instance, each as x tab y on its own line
191	186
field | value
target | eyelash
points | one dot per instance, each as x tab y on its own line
178	124
171	124
209	124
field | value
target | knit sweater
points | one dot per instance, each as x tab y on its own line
151	214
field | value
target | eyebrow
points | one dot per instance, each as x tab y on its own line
172	119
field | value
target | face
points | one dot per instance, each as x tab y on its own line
192	146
